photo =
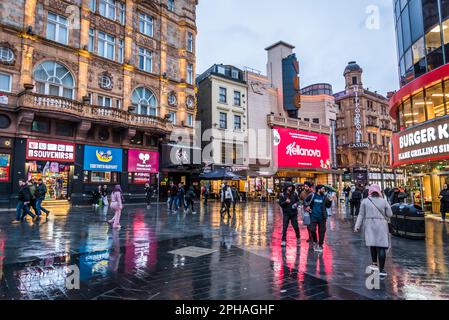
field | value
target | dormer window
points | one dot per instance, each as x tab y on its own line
235	74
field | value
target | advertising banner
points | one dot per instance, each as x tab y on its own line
426	142
301	149
50	151
103	159
143	161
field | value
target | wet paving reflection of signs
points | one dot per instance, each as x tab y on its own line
158	255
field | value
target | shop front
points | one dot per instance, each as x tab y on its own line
143	167
302	156
53	162
6	150
214	185
101	166
422	153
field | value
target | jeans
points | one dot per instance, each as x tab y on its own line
173	200
379	255
22	210
287	219
190	203
355	207
40	208
347	201
321	231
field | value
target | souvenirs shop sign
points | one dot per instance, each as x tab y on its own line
426	142
50	151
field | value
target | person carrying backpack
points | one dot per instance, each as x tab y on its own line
317	204
227	199
356	200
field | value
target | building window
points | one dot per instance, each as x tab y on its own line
144	101
40	125
145	60
57	28
237	122
234	74
172	117
316	120
104	101
118	104
146	24
121	48
237	154
6	55
90	45
107	9
190	120
64	129
343	140
223	120
221	70
93	5
307	119
106	45
354	80
121	13
171	5
190	73
222	95
237	98
190	41
52	78
433	39
5	82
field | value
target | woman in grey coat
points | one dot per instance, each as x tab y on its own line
375	214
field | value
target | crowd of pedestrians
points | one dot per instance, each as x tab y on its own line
30	196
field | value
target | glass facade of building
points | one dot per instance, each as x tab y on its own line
317	89
422	29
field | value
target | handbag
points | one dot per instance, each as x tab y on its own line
390	226
306	218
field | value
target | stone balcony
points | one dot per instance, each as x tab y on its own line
73	110
291	123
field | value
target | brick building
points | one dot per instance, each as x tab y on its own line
103	76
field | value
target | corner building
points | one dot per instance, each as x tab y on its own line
421	106
90	91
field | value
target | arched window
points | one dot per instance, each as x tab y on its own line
54	79
144	101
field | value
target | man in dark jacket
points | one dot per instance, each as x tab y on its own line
41	191
317	204
235	197
173	196
356	200
289	201
444	199
23	204
398	196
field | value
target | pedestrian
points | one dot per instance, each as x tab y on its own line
356	200
398	196
190	199
316	204
181	201
205	193
117	206
307	190
235	197
289	202
444	200
104	196
96	197
148	194
227	199
33	192
23	204
375	213
366	191
347	191
222	207
173	197
40	197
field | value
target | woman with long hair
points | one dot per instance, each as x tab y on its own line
117	206
375	213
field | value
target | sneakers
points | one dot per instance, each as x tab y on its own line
283	244
193	212
15	221
383	274
317	248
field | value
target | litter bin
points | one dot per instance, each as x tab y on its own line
408	221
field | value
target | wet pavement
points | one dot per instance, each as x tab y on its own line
157	255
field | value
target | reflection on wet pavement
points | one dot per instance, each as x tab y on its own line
244	259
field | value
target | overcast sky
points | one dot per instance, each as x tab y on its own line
327	35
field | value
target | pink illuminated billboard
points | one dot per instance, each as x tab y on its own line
143	161
301	149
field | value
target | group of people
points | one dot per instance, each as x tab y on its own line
372	210
30	196
178	198
100	199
